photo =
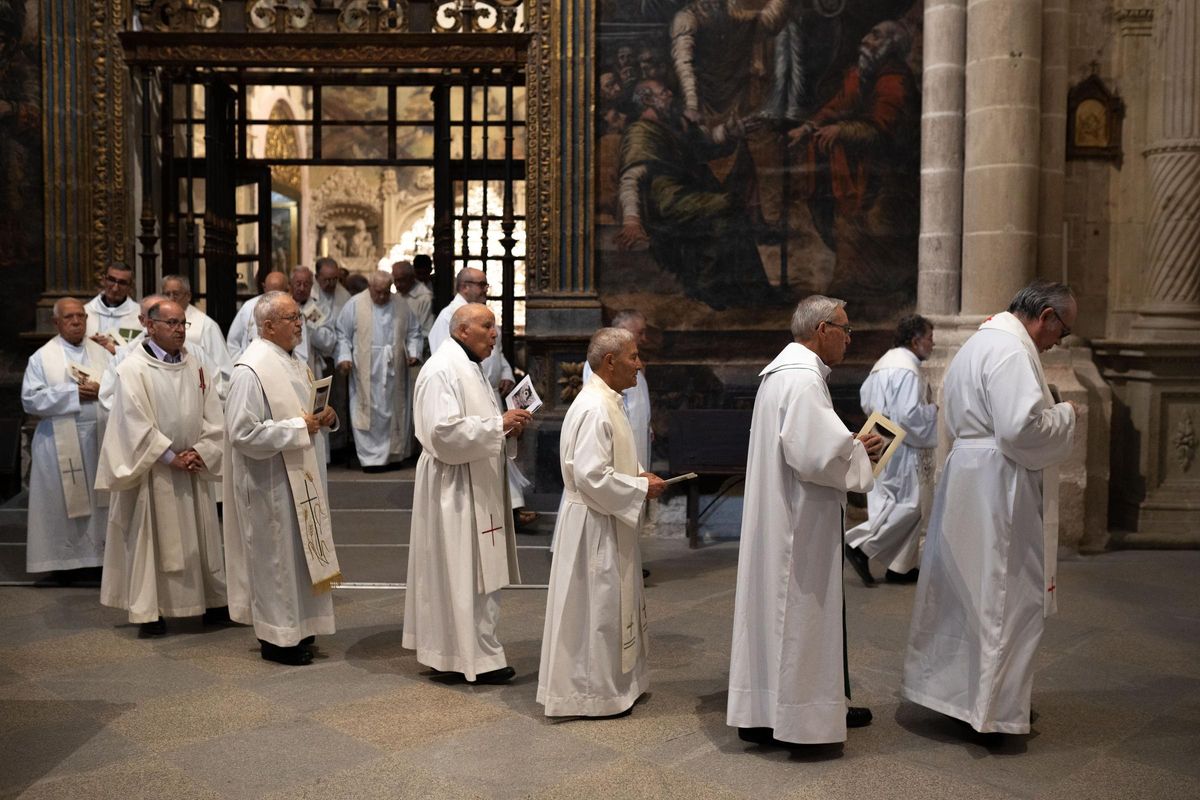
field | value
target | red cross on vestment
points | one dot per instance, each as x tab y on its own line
492	530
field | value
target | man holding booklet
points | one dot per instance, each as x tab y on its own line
594	643
788	679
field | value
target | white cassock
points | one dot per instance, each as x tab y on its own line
787	668
594	642
462	549
420	301
636	400
331	304
272	584
108	382
495	369
316	341
102	318
59	537
205	333
892	531
987	574
378	340
163	554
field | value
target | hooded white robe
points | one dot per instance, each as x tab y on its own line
595	625
449	612
269	578
387	435
892	531
495	369
787	666
163	554
54	541
979	609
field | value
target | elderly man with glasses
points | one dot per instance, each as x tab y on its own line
161	459
987	579
788	674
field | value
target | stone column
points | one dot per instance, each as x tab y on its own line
1001	171
1172	309
939	253
1055	47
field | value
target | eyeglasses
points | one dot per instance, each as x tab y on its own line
173	323
1065	330
117	281
289	318
846	328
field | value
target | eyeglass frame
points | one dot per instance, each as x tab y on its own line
1065	330
173	324
846	328
117	281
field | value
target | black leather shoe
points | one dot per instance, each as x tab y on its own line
149	630
862	565
295	656
902	577
218	616
757	735
496	676
307	641
858	717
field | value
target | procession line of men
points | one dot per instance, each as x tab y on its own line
986	582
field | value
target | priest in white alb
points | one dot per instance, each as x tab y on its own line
897	502
279	546
161	459
471	286
203	331
112	309
635	399
788	680
987	578
61	385
462	548
243	330
593	660
379	338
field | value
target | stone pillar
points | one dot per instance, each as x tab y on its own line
1151	366
939	253
1172	309
1051	181
1001	171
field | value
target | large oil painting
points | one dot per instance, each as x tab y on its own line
751	152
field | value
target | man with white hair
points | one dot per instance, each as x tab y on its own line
160	459
471	286
279	547
113	308
635	399
788	678
202	330
61	386
462	549
317	335
594	642
987	578
379	338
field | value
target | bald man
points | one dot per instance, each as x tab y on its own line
463	545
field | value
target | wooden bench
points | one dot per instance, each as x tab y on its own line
708	442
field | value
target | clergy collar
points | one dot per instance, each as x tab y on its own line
474	358
797	356
160	354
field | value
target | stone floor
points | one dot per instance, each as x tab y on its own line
89	711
